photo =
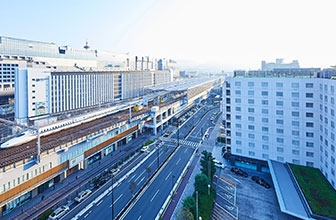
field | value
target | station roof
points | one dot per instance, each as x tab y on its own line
182	84
289	198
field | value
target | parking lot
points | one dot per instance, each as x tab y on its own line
239	196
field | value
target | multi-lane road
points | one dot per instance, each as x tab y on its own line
142	191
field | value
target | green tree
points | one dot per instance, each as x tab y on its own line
207	164
184	214
190	203
201	183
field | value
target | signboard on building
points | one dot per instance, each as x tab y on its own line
76	160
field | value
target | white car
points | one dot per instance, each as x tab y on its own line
218	164
82	195
59	212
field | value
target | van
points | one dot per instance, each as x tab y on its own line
82	195
59	212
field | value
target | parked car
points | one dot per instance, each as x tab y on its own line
218	164
82	195
239	171
261	181
59	212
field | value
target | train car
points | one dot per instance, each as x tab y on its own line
20	139
138	107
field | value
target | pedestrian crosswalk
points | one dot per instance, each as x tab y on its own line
182	142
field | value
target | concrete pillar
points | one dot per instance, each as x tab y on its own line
161	120
154	125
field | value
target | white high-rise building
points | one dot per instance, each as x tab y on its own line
283	118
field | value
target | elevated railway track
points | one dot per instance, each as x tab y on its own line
28	150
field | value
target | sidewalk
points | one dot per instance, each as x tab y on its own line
176	198
75	182
188	187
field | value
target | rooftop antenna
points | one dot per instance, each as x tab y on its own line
86	45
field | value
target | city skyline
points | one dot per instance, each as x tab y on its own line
221	34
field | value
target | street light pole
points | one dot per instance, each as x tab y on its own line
178	133
112	200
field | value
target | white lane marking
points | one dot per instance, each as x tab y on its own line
185	150
100	202
142	179
155	195
139	176
87	214
178	161
168	175
116	199
139	217
132	178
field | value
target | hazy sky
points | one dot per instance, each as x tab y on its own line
234	34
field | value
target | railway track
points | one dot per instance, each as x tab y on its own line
28	150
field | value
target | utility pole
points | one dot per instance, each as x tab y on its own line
196	205
112	199
178	133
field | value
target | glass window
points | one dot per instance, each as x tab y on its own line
279	112
309	85
264	129
265	147
250	101
264	111
279	94
250	92
279	130
280	159
279	121
296	123
295	104
309	114
264	84
295	161
264	93
309	105
309	124
238	92
310	154
265	138
295	142
250	110
239	151
265	156
295	114
295	95
238	142
279	84
264	102
295	133
237	83
251	136
250	118
280	149
237	100
250	84
295	152
238	117
309	95
279	103
252	145
280	140
238	109
238	125
251	153
264	120
295	85
238	134
251	127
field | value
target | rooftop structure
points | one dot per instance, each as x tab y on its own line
279	64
